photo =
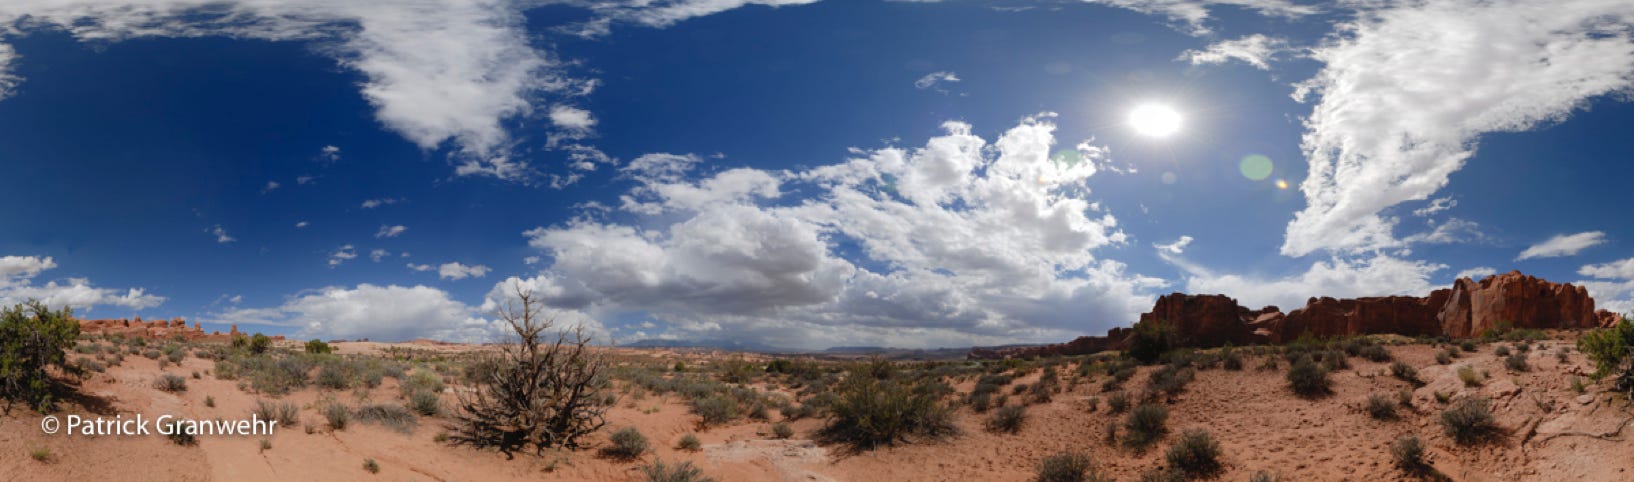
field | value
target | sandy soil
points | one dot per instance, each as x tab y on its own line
1552	433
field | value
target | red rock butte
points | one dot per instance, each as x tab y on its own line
1467	309
159	329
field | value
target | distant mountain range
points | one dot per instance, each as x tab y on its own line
838	351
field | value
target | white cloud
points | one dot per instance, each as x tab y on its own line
436	71
374	203
304	180
390	231
388	313
8	80
934	80
17	275
1451	231
1614	287
271	185
1177	247
328	153
1563	245
220	234
302	224
378	254
955	243
1378	275
1614	270
1435	206
457	271
1193	13
663	13
1406	91
341	255
420	267
573	122
1257	50
1476	273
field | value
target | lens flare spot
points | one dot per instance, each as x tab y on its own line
1282	183
1256	167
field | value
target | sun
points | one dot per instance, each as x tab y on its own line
1155	120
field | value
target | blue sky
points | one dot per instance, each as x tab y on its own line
802	175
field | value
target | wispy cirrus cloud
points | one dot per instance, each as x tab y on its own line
1563	245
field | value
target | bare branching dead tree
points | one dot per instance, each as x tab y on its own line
537	394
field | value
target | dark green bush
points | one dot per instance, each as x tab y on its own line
716	409
1375	353
318	347
1501	350
1408	454
782	430
33	337
1151	339
1308	379
176	431
1516	362
872	410
1145	425
1405	372
1007	420
628	443
1196	454
690	443
1232	361
170	383
1068	467
1470	421
658	471
425	402
337	415
1467	345
1381	407
259	344
1117	402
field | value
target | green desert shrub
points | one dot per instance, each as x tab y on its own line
1145	425
337	414
1232	361
1610	349
395	417
1196	454
658	471
1117	402
333	376
1444	357
259	344
690	443
1467	345
1375	353
286	413
1470	421
1501	351
1170	379
1068	467
1405	372
1408	455
170	383
425	403
716	409
1381	407
371	466
627	444
175	431
1516	362
782	430
1151	339
1469	376
318	347
1308	379
1007	420
872	411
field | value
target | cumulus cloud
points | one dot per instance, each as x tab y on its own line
328	153
573	122
389	313
1405	92
457	271
271	185
1257	50
221	234
1613	288
17	275
1563	245
378	254
935	80
957	242
8	80
390	231
341	255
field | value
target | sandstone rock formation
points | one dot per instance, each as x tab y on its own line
160	329
1468	309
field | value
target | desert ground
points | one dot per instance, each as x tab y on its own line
1554	421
